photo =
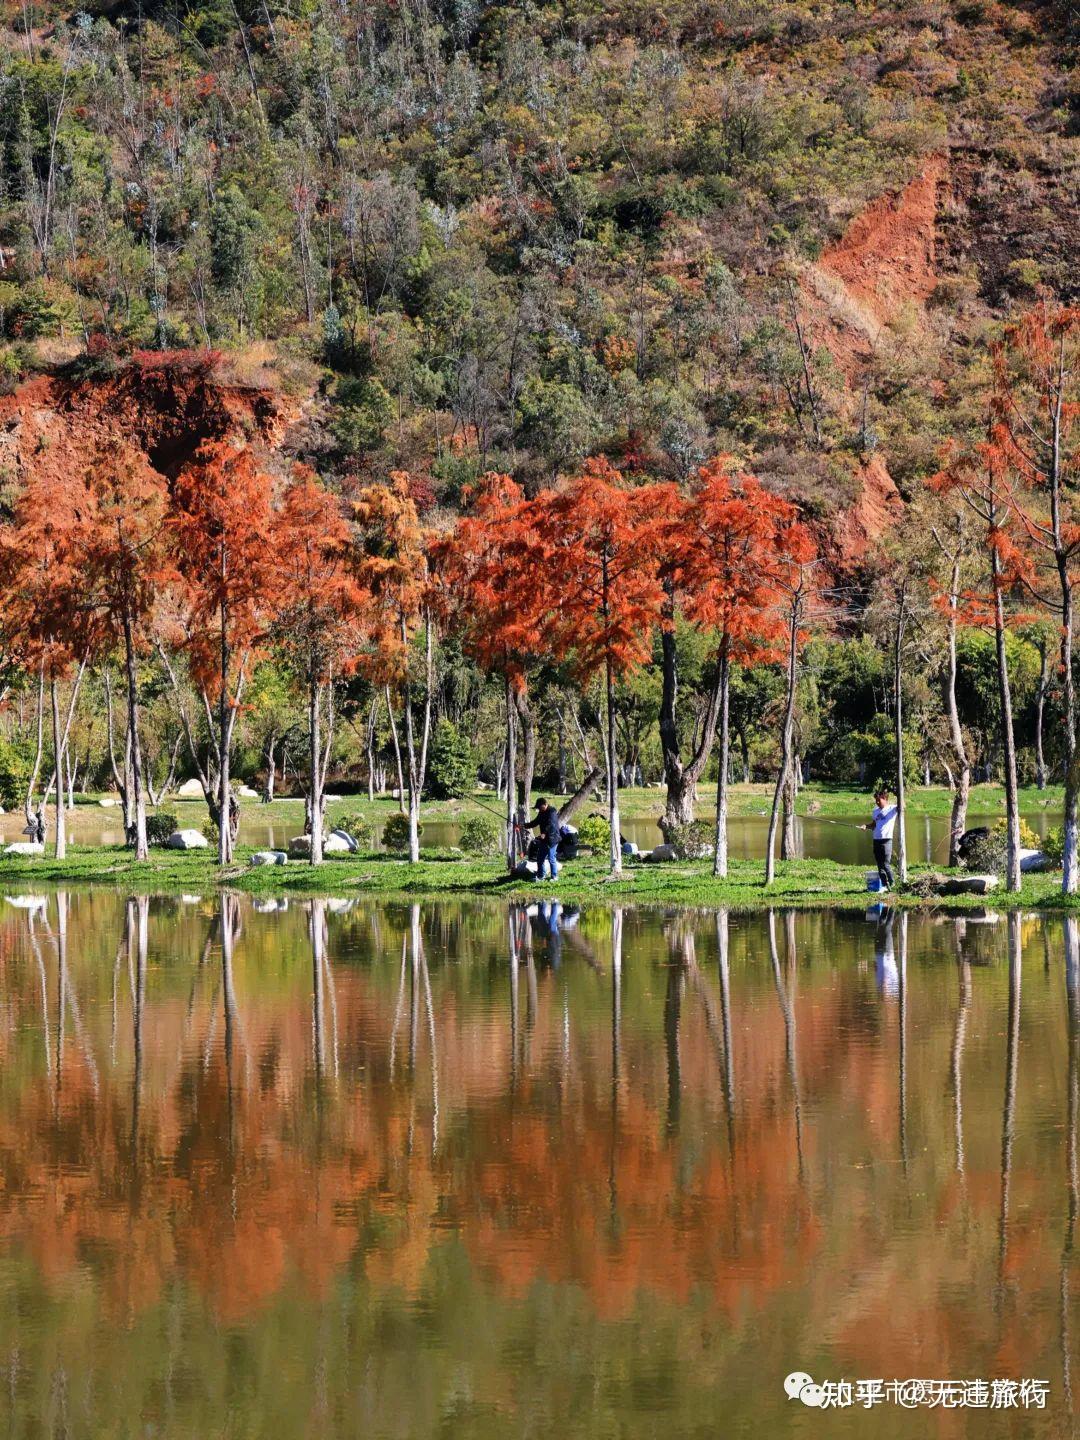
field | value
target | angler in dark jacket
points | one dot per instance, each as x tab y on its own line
546	823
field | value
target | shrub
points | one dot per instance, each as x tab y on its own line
451	767
14	773
210	830
693	841
595	833
1053	846
160	826
989	853
395	835
354	824
481	836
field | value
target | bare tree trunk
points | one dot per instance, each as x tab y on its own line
511	778
681	779
397	752
60	850
271	768
720	851
417	755
787	827
1040	704
1012	811
898	714
528	735
613	773
224	790
315	761
31	784
786	733
142	850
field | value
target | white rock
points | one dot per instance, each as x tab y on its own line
190	790
300	845
268	857
247	793
1032	861
107	802
660	853
187	840
350	843
25	847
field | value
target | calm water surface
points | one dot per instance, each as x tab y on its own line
816	837
338	1169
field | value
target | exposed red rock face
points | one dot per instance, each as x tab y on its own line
884	264
878	508
168	407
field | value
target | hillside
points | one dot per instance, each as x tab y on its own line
453	237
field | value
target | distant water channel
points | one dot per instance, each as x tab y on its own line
335	1168
816	837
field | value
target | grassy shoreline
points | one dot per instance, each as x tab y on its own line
801	884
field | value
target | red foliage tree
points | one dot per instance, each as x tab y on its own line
121	536
46	614
608	600
225	549
390	563
486	572
318	624
738	542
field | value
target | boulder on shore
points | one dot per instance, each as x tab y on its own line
247	793
660	853
300	845
968	885
25	847
1033	861
268	857
343	835
190	790
187	840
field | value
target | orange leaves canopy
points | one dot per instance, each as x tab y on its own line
320	602
600	585
484	571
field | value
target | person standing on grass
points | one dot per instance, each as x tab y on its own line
547	824
883	823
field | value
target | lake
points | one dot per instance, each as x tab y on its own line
334	1168
816	837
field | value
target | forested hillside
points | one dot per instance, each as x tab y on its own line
669	384
509	236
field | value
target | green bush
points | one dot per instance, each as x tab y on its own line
988	855
595	832
451	767
693	841
355	824
210	830
481	836
1053	846
160	826
14	774
395	835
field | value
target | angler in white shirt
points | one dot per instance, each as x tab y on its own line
883	823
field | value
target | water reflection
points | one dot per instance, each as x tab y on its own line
526	1155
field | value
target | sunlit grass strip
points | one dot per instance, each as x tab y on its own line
799	884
